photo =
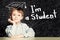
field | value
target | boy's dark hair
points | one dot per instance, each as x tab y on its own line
16	8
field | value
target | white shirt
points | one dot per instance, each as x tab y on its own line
21	28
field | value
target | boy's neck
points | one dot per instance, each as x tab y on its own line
18	23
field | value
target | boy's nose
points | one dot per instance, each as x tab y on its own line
16	16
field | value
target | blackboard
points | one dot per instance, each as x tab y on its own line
43	27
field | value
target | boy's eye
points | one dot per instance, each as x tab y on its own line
13	14
18	15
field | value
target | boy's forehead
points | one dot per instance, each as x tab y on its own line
16	11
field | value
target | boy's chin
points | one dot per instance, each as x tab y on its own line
17	21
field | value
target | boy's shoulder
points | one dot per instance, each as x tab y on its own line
9	26
23	23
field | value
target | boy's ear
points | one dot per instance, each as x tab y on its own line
10	16
22	18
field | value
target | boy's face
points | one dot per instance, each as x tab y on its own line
17	16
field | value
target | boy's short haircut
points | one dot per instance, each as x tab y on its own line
19	9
